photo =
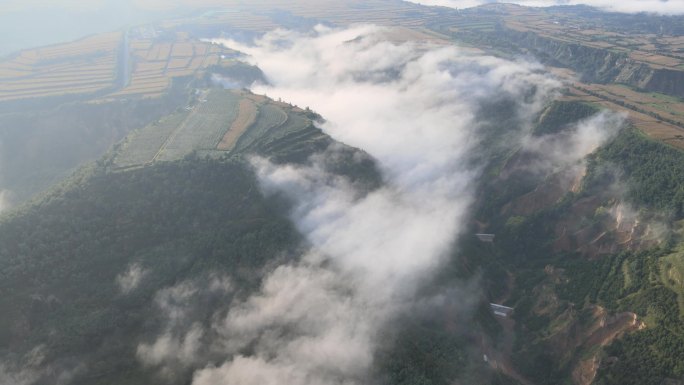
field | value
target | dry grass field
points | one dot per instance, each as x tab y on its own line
651	126
644	48
247	113
156	64
83	66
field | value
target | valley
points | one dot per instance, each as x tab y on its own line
166	224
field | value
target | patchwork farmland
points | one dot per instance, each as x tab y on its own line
156	62
84	66
221	121
142	62
110	65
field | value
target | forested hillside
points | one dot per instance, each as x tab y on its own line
82	268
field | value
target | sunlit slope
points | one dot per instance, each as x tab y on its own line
217	122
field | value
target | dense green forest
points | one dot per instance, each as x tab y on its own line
60	259
194	220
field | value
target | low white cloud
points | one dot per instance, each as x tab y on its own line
667	7
131	278
570	147
4	200
413	108
172	352
182	343
8	376
33	368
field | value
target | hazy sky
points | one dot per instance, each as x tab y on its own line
29	23
670	7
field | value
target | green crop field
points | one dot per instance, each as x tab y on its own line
204	127
200	128
142	146
179	135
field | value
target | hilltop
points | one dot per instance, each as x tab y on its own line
170	205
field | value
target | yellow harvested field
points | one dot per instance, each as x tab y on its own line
196	62
80	66
141	44
91	64
28	85
178	63
164	51
71	74
212	60
157	66
10	73
655	59
143	90
182	50
667	107
32	82
201	49
180	72
46	92
247	113
102	42
148	75
651	126
70	77
13	65
135	82
76	70
153	53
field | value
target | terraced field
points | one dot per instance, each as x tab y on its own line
84	66
247	114
155	62
143	145
270	116
222	121
204	126
197	128
92	65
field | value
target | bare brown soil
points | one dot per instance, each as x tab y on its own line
247	113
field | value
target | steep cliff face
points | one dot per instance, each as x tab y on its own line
638	75
670	82
598	64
